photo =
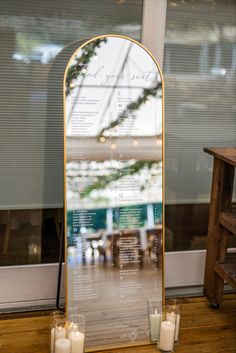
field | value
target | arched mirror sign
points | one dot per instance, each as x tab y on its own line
113	106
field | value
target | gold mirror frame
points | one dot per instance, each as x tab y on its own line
126	344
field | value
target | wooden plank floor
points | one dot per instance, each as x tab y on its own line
203	330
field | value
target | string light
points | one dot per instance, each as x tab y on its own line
102	139
113	146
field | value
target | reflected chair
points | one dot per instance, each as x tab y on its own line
126	248
28	221
154	244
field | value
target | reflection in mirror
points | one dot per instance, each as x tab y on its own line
113	144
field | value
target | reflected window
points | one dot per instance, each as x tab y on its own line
33	34
199	71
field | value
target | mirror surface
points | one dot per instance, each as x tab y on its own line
113	192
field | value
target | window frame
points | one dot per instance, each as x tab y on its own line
182	269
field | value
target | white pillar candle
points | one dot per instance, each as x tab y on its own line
62	345
175	318
52	340
71	327
171	317
154	325
60	332
77	341
167	335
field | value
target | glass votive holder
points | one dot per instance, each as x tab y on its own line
175	309
167	330
62	344
154	318
77	333
71	311
54	317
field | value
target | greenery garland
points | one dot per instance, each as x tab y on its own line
142	99
77	69
104	180
72	74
